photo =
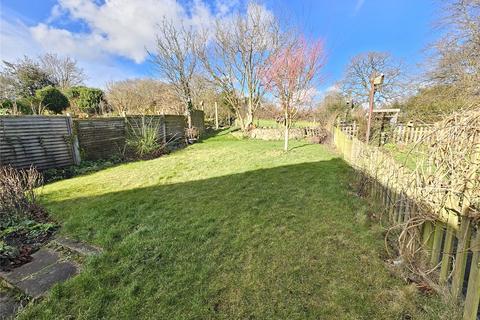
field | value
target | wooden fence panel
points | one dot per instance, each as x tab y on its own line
198	120
40	141
175	128
408	134
100	138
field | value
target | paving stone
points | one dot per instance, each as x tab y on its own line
41	259
8	306
77	246
40	282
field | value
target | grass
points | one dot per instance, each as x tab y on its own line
271	123
406	155
226	229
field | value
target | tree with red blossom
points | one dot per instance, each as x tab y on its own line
290	73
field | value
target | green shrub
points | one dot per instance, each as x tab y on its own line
88	100
24	224
52	99
7	106
143	137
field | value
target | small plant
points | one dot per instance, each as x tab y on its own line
86	166
144	138
23	223
18	198
192	134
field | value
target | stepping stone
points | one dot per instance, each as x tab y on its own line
41	259
77	246
40	282
39	275
8	306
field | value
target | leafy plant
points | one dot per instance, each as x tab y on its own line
52	99
23	223
85	99
143	137
55	174
18	199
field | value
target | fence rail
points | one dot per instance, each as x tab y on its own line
451	242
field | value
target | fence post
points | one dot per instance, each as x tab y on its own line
437	243
75	147
447	254
473	290
461	257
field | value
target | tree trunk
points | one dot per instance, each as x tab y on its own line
188	114
216	115
240	119
287	125
249	120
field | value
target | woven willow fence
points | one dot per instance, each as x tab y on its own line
435	207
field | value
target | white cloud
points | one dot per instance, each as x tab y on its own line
15	39
126	27
63	42
110	29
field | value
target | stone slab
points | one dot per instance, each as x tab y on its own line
77	246
8	306
41	259
39	283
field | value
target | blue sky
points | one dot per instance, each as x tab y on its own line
108	39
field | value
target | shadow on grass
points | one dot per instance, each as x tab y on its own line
299	147
277	243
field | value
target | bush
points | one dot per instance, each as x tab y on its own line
23	223
17	194
88	100
143	137
7	106
86	166
52	99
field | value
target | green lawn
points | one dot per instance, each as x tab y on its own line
226	229
408	156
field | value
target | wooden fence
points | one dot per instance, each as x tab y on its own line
409	134
198	120
58	141
45	142
451	242
100	138
350	129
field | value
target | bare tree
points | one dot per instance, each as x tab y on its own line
290	73
143	96
238	50
456	59
63	72
356	82
176	60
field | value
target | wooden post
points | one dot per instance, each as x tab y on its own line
216	115
447	255
437	243
461	257
427	238
473	290
75	146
